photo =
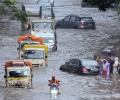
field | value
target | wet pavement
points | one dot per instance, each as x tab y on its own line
71	44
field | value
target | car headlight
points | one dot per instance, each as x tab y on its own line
33	32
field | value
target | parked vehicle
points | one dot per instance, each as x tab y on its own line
37	54
28	39
81	66
76	22
18	73
45	28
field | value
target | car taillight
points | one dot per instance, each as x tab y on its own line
82	22
84	70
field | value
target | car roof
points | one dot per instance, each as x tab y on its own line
71	59
74	15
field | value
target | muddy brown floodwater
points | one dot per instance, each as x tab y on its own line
72	43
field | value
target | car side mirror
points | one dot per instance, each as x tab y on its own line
5	76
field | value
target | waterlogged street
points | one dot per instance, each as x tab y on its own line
72	43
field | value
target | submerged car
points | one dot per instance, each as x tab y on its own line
81	66
76	22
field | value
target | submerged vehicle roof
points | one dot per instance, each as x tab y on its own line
30	37
18	63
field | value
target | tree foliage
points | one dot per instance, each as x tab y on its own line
20	15
118	6
103	4
9	3
14	11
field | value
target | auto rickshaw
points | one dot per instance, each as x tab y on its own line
37	54
28	39
18	73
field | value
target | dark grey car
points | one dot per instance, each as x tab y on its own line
76	22
81	66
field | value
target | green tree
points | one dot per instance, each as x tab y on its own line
18	13
9	3
118	8
21	15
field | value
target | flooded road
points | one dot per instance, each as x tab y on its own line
71	44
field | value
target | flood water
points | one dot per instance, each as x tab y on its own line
72	43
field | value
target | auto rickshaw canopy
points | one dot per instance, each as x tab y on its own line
30	37
18	63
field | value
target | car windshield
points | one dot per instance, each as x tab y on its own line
89	63
34	54
19	73
41	25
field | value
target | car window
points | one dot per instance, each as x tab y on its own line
86	19
67	18
77	19
89	63
72	18
74	62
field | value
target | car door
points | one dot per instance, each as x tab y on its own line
77	22
73	65
72	22
66	22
